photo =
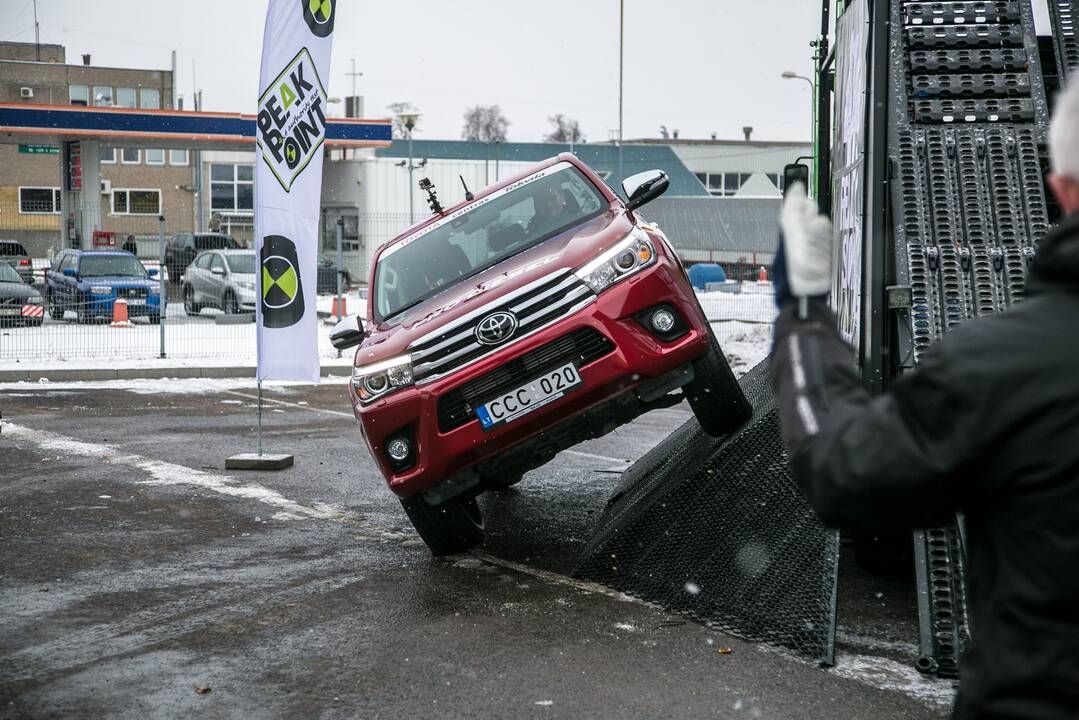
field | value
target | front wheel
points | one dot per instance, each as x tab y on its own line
229	304
56	311
154	319
450	528
715	396
190	306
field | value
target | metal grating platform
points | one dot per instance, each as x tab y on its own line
1064	15
969	206
718	530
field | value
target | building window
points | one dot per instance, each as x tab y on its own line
125	97
78	94
102	96
39	201
724	184
150	99
129	156
777	180
155	156
136	202
108	155
232	187
178	157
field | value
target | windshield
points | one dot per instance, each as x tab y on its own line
8	274
111	265
503	224
244	264
12	248
214	242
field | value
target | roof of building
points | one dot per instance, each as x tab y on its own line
729	224
600	157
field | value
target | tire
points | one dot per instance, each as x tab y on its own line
190	306
453	527
82	311
35	322
715	396
229	304
55	311
154	319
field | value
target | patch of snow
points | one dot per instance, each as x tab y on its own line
627	627
892	675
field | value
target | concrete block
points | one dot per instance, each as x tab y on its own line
254	461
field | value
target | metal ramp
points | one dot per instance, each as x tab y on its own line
717	529
968	124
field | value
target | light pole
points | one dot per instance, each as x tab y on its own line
621	35
409	120
790	75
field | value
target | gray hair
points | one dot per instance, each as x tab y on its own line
1064	133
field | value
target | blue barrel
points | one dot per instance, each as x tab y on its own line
703	273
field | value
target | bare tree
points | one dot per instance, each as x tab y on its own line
564	130
397	108
485	123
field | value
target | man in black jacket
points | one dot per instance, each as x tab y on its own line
987	425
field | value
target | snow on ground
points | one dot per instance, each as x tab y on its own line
744	344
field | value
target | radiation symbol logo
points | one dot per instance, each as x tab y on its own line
318	14
282	291
292	153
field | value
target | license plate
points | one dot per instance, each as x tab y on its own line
532	396
10	311
136	301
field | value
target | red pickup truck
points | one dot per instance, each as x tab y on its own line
540	313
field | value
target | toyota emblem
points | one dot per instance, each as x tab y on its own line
496	328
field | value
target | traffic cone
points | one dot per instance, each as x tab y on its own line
340	309
119	313
762	276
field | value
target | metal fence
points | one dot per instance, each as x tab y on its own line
92	328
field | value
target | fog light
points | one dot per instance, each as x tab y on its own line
663	321
397	449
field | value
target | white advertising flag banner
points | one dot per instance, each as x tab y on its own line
291	127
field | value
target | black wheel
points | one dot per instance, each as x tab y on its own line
503	482
714	394
82	311
190	306
35	322
229	304
55	311
452	527
154	319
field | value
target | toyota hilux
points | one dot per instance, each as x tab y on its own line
538	313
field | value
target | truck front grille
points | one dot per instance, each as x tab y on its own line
581	347
131	292
535	306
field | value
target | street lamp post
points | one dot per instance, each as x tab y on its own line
789	75
621	42
409	120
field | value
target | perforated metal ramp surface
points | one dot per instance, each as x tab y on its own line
968	128
718	530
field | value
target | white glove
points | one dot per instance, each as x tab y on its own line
807	243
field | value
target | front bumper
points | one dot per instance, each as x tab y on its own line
99	306
638	356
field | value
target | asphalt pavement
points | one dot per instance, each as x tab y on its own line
139	579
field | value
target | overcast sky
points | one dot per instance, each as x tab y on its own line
700	66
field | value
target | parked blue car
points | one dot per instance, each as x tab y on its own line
90	281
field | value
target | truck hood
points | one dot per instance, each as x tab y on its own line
568	250
20	291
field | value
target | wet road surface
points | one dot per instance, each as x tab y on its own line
136	571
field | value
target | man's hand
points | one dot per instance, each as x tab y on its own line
803	266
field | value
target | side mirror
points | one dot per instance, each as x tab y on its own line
151	272
644	187
70	272
218	270
349	332
795	173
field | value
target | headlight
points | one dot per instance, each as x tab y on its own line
35	300
628	256
246	285
374	381
101	290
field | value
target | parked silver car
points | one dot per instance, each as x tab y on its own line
222	279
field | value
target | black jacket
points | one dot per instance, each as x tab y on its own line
988	424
